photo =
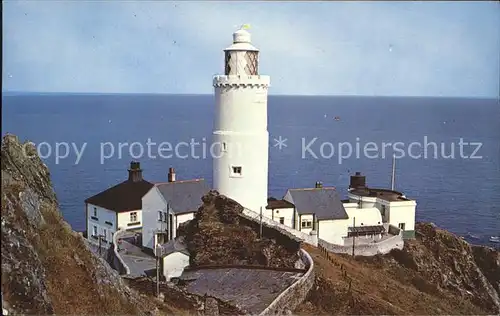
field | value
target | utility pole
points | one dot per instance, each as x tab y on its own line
158	256
393	171
100	238
261	222
353	234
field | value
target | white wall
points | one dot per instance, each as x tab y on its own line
333	231
179	219
152	202
241	123
366	201
124	220
103	216
174	264
402	212
308	218
364	216
276	214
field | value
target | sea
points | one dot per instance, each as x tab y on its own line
447	150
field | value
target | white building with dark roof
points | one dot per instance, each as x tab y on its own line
175	257
167	205
118	207
394	207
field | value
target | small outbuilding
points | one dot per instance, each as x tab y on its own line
175	257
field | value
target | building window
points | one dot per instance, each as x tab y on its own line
401	226
383	211
306	223
95	212
133	217
164	217
282	220
105	234
160	216
236	171
224	147
94	231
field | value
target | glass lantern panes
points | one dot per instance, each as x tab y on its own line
227	66
251	63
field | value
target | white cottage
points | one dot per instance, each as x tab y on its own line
394	207
282	212
117	207
320	209
166	206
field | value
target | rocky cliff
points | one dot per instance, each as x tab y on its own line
437	273
220	235
46	267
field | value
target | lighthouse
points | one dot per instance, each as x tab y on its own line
240	138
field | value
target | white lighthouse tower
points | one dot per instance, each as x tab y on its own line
241	139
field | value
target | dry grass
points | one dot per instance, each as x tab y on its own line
375	289
71	286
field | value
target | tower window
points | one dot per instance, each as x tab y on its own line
224	147
236	171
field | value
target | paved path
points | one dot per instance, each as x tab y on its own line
137	261
251	290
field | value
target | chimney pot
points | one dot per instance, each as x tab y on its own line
171	174
135	172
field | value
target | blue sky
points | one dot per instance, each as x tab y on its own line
309	48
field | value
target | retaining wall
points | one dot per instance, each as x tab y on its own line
308	239
381	247
296	293
115	258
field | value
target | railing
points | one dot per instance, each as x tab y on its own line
308	239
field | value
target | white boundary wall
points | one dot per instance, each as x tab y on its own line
305	237
296	293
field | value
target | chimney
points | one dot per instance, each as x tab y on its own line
171	175
319	185
358	181
135	172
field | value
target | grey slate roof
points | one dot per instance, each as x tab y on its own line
174	245
183	196
325	203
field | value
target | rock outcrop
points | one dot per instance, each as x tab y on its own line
438	273
220	235
46	267
451	263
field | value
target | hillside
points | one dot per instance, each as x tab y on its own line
46	267
438	273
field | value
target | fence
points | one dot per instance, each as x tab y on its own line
328	256
308	239
296	293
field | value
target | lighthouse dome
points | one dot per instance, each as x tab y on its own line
241	36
